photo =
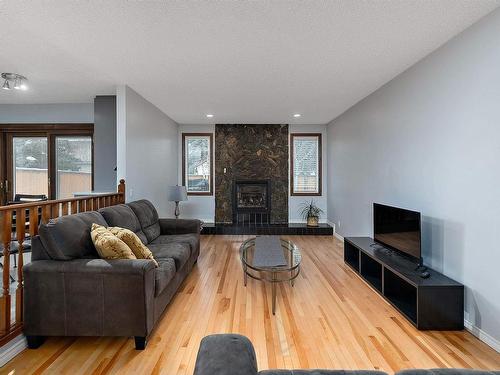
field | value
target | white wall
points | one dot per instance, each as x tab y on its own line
294	202
430	141
147	155
47	113
196	207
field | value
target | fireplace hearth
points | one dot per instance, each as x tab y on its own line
251	202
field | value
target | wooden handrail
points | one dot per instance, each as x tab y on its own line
19	222
55	201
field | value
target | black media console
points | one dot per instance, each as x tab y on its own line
434	303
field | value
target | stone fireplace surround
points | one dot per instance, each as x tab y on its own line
250	153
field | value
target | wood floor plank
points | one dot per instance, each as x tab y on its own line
329	319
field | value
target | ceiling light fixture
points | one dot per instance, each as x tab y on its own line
210	115
296	115
18	80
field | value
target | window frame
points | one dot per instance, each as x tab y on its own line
50	131
185	136
320	165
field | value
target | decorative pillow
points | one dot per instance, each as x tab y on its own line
108	245
133	242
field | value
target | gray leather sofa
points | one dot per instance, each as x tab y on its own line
229	354
70	291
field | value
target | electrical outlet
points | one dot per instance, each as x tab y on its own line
338	224
130	193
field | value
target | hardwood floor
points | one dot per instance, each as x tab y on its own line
330	319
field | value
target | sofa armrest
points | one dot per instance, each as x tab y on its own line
179	226
89	297
226	354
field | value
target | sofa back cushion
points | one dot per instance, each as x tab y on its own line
148	217
123	216
68	237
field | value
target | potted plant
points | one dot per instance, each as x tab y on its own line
310	213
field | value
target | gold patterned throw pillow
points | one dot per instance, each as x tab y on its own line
133	242
108	245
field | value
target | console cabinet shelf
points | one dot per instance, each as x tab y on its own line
435	303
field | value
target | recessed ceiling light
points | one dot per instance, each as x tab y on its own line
210	115
297	115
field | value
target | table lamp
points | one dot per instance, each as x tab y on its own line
176	194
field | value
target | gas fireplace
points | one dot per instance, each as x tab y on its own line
251	202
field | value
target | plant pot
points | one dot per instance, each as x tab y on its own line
312	221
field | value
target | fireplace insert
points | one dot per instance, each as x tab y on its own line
251	202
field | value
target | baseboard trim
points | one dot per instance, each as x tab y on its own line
338	236
13	348
483	336
335	234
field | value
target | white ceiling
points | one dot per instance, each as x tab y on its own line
246	61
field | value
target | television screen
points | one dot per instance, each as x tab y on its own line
397	228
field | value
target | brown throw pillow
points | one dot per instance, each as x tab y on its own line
134	243
108	245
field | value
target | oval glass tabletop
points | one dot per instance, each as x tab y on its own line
291	254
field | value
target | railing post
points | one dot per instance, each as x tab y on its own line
121	190
5	238
20	233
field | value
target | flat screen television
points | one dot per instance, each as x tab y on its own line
398	229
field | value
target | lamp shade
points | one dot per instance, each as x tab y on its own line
177	193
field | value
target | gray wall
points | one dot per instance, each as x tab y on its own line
197	206
147	154
430	141
47	113
295	202
105	143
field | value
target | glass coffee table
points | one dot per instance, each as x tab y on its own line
274	275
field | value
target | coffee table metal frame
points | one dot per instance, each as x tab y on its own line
273	275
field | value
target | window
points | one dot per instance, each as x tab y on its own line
53	160
197	164
305	168
73	165
30	165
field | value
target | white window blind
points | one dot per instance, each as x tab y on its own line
306	168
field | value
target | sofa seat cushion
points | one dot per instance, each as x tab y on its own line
179	252
191	239
163	274
123	216
68	237
148	217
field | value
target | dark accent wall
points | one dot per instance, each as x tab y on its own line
251	152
